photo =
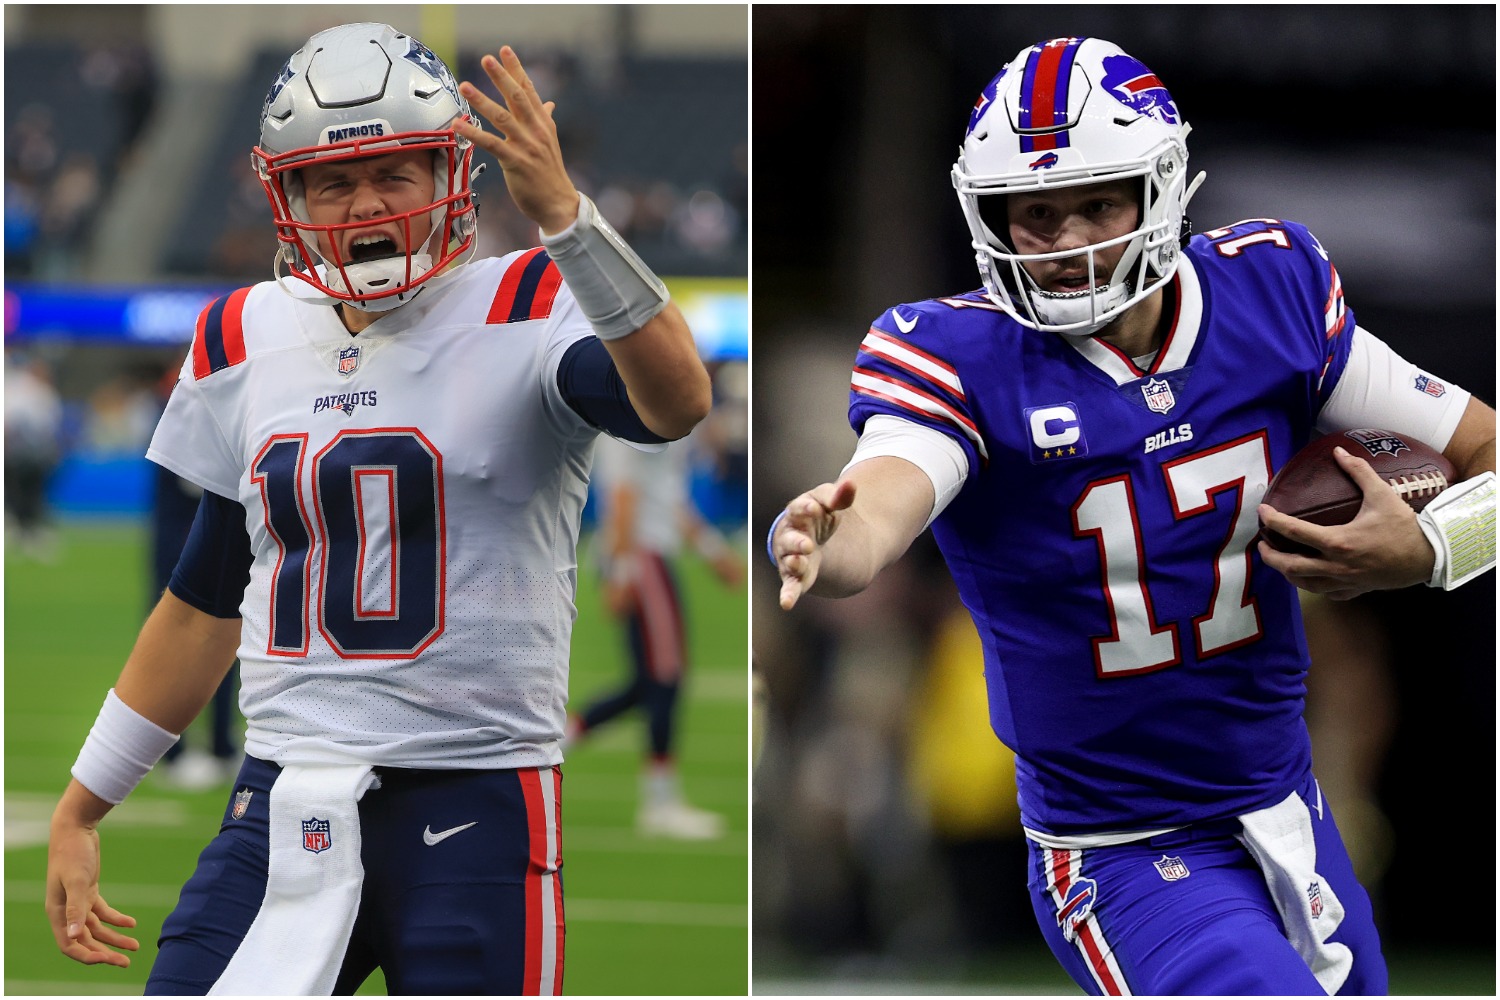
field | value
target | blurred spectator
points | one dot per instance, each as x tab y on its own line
33	423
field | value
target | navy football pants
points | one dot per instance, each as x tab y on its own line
1188	913
464	915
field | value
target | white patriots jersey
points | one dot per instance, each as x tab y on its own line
412	496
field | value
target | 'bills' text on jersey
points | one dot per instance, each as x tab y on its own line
1142	662
412	498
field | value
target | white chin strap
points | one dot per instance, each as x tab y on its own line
374	276
1065	309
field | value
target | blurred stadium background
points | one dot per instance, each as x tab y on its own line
129	204
887	850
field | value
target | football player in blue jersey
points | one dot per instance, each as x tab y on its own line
1089	436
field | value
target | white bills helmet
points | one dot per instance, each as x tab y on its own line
362	90
1065	113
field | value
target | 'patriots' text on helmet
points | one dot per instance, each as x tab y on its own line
357	91
1066	113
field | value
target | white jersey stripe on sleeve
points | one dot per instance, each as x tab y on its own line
918	362
913	399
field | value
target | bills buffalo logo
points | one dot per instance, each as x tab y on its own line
986	97
1378	442
1315	899
1159	398
1171	869
316	835
241	803
1078	903
1431	386
1139	89
1044	161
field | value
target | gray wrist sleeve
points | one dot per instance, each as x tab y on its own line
615	289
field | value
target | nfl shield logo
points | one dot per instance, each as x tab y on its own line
1171	869
348	360
1315	899
241	803
316	836
1159	398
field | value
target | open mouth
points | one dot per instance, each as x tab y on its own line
372	247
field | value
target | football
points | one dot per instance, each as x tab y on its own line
1311	486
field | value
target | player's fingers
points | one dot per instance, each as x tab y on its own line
492	111
1296	529
112	915
1295	566
1363	474
526	89
791	590
109	936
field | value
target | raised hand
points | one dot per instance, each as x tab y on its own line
526	145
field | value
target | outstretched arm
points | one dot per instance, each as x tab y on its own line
834	539
179	659
645	333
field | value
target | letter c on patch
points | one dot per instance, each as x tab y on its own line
1052	426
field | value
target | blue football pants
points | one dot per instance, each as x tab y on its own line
443	910
1190	913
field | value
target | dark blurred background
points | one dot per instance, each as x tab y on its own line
887	850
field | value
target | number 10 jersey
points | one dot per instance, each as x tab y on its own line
412	497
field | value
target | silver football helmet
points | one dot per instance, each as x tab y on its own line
363	90
1065	113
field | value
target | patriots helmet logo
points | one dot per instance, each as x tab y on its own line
1139	89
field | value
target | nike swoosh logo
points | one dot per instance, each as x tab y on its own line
904	325
429	838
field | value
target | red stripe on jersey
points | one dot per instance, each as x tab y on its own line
948	411
879	334
234	327
546	292
200	349
505	296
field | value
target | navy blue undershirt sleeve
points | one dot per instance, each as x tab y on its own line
591	385
214	568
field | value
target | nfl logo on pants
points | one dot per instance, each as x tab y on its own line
1171	869
316	836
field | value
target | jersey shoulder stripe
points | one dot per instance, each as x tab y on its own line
904	396
219	339
527	290
912	360
1334	314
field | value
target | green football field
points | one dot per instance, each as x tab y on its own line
644	916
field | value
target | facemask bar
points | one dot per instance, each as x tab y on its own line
1144	268
452	214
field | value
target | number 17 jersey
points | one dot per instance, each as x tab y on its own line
412	497
1143	663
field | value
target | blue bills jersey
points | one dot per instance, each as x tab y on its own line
1144	665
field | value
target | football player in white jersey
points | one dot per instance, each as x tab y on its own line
646	516
394	443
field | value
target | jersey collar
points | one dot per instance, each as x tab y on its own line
1176	349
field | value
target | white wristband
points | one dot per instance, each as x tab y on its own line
1460	526
120	749
615	289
